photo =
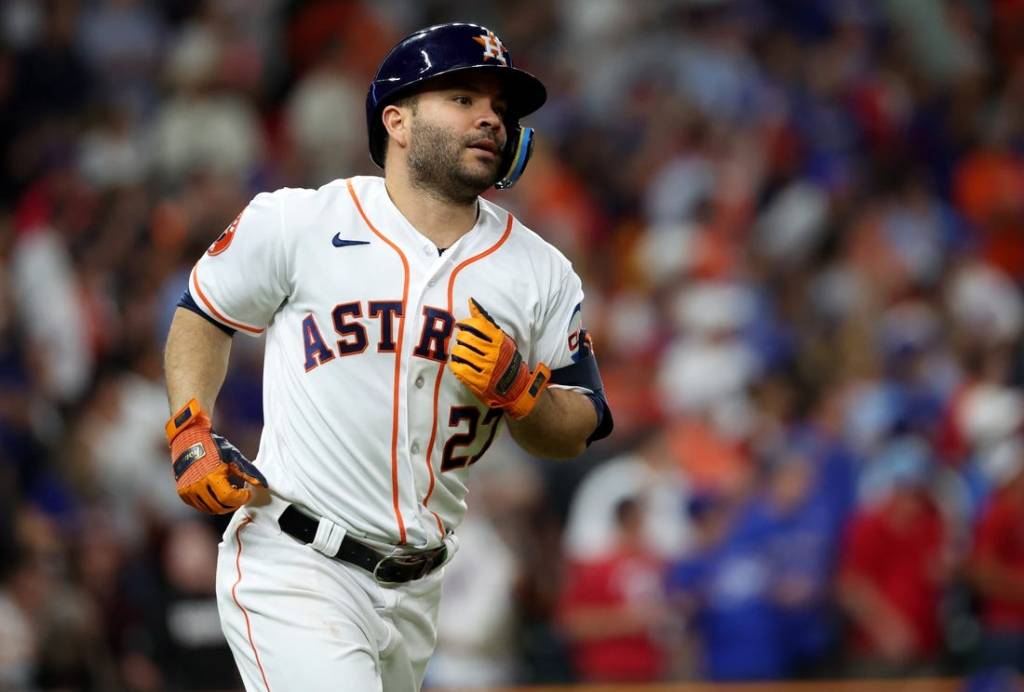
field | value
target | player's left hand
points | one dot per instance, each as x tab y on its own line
210	471
487	360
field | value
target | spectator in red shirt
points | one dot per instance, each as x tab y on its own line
613	607
892	569
997	564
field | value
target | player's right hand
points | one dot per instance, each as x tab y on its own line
488	362
210	471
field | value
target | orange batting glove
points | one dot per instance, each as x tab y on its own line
210	471
487	360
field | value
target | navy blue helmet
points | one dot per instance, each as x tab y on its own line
446	49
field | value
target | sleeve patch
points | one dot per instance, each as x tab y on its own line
225	238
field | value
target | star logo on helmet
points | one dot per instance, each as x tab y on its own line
493	47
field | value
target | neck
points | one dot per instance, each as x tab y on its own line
441	220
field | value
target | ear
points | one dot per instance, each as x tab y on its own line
396	122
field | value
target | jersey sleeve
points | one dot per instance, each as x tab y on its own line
559	334
564	345
241	280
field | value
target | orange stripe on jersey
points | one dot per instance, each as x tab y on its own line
234	597
215	312
440	369
398	361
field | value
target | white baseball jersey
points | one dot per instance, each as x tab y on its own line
364	423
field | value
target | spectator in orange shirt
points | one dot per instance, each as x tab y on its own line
987	187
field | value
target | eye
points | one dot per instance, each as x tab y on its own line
462	100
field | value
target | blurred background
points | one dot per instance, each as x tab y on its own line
800	226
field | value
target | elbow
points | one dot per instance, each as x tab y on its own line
564	449
573	450
556	449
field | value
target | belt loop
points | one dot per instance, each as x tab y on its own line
328	537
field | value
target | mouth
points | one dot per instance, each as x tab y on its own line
485	145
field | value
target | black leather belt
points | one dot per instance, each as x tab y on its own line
389	569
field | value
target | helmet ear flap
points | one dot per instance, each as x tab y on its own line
516	155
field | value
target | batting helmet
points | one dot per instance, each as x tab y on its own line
446	49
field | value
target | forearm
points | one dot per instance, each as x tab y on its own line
596	622
866	605
558	426
195	361
859	599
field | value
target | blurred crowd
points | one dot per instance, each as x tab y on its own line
800	226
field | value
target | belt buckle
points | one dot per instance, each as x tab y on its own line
420	561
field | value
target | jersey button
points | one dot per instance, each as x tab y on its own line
415	449
419	382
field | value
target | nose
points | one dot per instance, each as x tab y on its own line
489	118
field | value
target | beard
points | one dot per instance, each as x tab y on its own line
435	164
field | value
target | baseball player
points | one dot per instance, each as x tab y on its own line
406	320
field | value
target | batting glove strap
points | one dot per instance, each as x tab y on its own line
488	362
185	417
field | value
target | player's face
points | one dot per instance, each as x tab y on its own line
457	136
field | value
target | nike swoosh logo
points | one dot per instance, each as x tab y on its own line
340	242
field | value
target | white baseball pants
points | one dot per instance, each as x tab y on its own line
298	620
